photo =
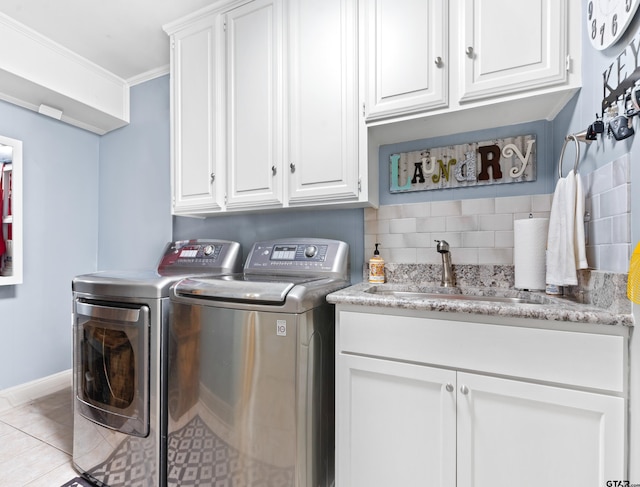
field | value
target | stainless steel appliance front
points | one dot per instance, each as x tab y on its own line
117	389
251	370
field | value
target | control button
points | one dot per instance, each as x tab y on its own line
208	250
310	251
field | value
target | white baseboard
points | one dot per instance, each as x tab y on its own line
23	393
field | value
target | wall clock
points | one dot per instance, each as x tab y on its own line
608	19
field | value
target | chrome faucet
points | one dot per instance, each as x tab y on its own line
447	272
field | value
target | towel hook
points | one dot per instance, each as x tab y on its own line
579	137
564	146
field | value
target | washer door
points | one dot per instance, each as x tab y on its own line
111	370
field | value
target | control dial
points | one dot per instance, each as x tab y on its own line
310	251
208	250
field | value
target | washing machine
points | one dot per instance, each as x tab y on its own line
251	370
120	323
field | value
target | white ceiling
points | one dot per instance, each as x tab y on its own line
122	36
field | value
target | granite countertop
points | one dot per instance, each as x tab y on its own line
599	298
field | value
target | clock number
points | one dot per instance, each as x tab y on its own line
602	31
614	25
590	8
594	29
627	5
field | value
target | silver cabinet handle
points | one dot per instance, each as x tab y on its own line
438	61
464	390
469	51
293	167
274	170
449	387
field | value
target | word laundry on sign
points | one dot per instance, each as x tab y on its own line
508	160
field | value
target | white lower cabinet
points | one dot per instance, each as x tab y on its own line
403	423
396	424
511	432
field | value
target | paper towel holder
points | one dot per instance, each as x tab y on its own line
579	137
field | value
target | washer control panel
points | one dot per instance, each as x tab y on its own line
298	256
299	253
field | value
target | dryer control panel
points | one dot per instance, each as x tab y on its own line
197	254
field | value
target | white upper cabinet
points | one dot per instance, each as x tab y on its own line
254	90
195	139
512	46
473	64
324	119
279	121
406	56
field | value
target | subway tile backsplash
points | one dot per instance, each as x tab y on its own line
608	206
480	231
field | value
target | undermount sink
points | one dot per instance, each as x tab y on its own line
452	294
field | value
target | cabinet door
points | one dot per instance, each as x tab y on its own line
194	129
512	46
324	120
395	424
406	56
516	433
254	104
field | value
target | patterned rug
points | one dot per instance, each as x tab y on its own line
78	482
197	457
131	465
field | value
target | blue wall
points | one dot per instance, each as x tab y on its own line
60	200
90	203
134	177
346	225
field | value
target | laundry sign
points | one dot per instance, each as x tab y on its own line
498	161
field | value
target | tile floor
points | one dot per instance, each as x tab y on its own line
36	441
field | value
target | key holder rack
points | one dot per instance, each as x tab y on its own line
618	114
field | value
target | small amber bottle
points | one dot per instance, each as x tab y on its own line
376	267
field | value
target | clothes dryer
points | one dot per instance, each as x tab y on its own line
120	323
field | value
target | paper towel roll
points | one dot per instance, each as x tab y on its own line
529	252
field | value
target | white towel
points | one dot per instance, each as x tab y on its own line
565	242
579	242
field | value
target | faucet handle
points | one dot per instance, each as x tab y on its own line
442	247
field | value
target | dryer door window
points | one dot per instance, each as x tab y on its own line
111	365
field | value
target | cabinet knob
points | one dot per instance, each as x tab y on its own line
464	390
449	387
469	51
293	167
274	170
213	177
438	61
